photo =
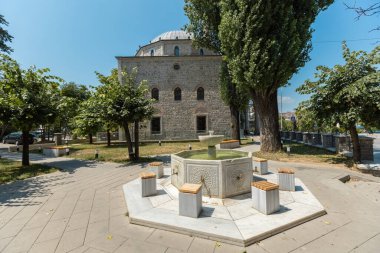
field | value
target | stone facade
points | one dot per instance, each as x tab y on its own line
189	71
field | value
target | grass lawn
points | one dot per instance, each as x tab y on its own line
119	153
306	154
12	170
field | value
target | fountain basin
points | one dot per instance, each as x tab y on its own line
226	176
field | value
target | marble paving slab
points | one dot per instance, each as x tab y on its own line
232	220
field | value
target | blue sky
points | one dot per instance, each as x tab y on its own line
74	38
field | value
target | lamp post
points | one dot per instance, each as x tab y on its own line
281	109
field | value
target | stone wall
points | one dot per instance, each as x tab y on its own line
178	118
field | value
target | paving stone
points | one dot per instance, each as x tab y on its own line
121	226
66	207
83	206
171	240
38	220
4	242
53	230
370	246
200	245
227	248
45	247
255	248
71	240
24	240
107	242
99	214
141	247
95	230
78	220
12	227
92	250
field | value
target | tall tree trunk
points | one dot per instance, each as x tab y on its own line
235	123
137	149
25	148
129	141
267	108
43	139
90	138
356	154
3	129
108	138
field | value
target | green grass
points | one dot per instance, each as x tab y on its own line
306	154
119	153
220	154
12	170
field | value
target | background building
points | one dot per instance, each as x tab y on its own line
185	82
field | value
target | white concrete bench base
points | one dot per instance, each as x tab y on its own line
286	182
261	167
158	170
148	187
266	202
190	204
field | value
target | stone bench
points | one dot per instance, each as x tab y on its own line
54	151
148	184
230	144
260	165
286	180
190	200
157	168
265	197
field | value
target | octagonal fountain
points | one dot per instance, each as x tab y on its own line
222	173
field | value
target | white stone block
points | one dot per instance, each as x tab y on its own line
261	167
286	182
157	169
148	186
266	202
190	204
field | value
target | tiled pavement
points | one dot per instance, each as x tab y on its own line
82	209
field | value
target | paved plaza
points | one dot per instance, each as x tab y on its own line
82	209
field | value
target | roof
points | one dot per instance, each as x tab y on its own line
173	35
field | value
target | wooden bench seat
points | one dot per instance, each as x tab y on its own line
265	185
286	170
146	175
190	188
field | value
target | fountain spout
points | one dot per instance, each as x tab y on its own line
211	140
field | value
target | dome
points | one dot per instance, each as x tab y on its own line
173	35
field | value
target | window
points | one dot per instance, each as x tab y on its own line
152	52
176	51
200	94
201	123
155	94
155	126
177	94
201	52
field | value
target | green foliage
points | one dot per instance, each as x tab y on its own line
126	101
287	125
29	96
347	94
266	42
4	36
88	120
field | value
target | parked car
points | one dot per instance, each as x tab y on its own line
15	137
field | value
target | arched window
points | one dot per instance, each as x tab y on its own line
176	51
177	94
201	52
155	94
152	52
200	94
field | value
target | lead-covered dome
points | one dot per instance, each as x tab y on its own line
173	35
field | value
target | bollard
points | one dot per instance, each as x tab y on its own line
190	147
39	149
288	150
96	153
68	151
159	143
17	147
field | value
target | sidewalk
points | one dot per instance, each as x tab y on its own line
82	209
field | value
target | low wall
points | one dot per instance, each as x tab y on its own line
31	147
229	144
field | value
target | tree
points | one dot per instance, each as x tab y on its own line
265	43
88	121
124	101
30	96
205	17
347	94
4	36
71	96
371	10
